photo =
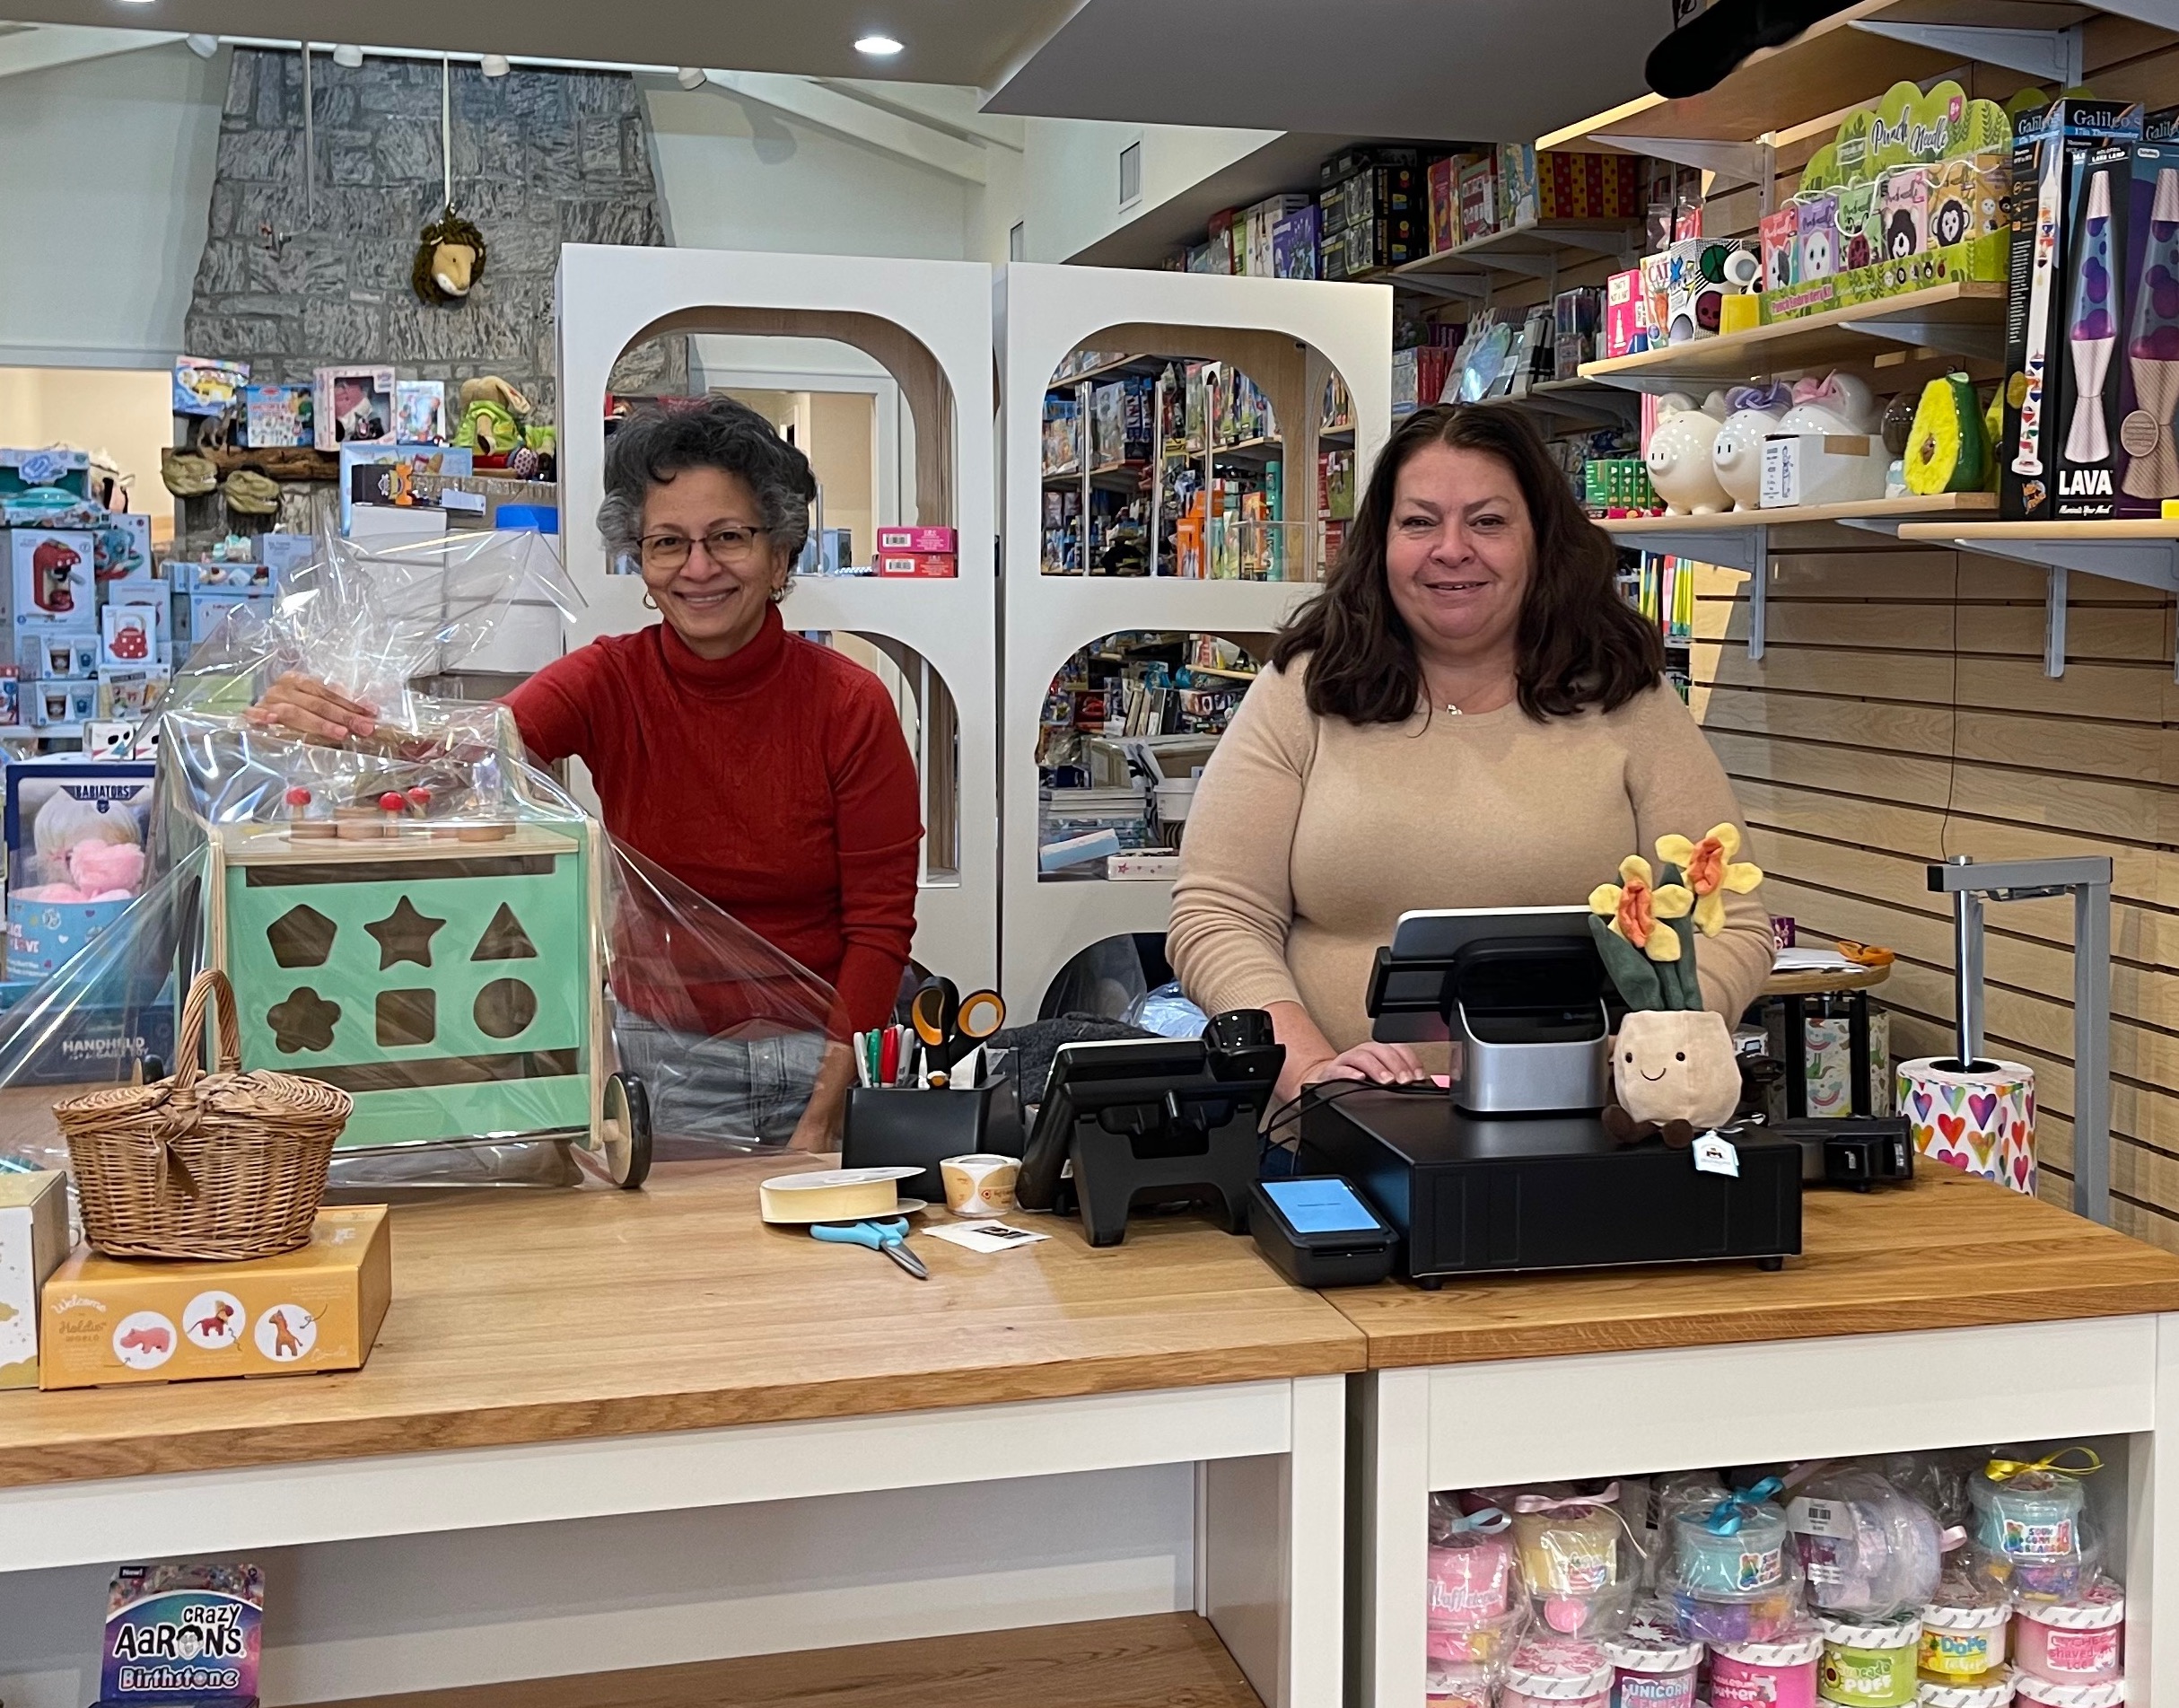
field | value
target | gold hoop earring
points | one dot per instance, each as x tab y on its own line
649	604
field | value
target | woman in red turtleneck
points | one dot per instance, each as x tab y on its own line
765	772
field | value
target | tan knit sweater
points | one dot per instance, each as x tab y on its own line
1309	836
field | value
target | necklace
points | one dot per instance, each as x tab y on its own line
1455	710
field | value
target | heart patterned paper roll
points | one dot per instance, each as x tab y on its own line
1981	1121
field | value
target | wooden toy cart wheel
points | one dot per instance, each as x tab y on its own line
624	1131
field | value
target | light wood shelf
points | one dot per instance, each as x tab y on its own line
1161	1660
1518	249
1829	66
2027	532
1960	504
1964	310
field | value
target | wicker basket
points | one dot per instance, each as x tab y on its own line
222	1166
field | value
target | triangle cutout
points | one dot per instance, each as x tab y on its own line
505	939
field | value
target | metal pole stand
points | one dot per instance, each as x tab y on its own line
2087	879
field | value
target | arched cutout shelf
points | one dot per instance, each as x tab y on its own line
1290	337
928	323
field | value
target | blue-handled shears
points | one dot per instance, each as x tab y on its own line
888	1236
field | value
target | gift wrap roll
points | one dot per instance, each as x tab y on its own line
1981	1120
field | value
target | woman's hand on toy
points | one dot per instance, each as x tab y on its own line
307	706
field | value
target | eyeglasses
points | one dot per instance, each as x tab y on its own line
729	547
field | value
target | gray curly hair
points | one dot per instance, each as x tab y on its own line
656	445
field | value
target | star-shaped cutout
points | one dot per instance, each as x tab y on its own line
405	934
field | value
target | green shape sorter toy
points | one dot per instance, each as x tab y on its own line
454	988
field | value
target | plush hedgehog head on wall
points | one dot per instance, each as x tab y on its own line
450	259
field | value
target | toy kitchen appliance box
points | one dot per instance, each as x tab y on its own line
107	1321
185	1634
49	583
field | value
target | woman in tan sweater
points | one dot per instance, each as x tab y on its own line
1467	716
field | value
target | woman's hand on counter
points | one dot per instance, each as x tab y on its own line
309	707
1311	1058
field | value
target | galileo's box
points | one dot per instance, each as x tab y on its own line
107	1321
33	1240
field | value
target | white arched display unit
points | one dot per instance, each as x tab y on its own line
929	324
1289	336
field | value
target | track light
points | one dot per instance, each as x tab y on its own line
349	57
494	65
203	46
691	77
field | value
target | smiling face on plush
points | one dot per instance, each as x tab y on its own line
1676	1064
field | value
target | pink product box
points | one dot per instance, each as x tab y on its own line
1621	312
1779	234
926	565
942	541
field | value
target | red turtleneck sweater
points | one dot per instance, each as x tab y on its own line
776	782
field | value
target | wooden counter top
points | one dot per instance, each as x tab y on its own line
1948	1252
523	1316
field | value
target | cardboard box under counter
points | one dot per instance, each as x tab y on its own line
33	1240
107	1321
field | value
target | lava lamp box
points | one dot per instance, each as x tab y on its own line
2041	299
183	1635
2099	302
2147	356
105	1320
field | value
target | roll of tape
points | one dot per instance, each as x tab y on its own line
833	1195
1981	1120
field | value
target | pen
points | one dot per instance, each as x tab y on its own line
887	1062
863	1065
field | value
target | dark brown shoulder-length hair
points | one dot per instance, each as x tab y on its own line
1581	644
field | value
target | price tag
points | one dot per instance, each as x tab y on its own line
1714	1155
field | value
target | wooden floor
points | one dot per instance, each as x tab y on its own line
1165	1660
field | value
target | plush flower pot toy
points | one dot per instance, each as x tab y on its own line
1673	1066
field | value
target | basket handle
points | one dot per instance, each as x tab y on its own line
208	986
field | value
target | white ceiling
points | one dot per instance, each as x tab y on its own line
1477	69
1489	70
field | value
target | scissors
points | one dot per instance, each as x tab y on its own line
888	1236
943	1017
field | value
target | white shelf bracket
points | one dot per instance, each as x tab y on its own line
2153	564
1744	548
1472	286
1735	164
1953	337
2048	55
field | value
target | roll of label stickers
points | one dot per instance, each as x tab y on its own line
836	1194
1981	1122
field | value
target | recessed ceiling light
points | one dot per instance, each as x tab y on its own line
878	47
203	46
691	77
494	65
347	56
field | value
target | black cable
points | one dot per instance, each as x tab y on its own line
1331	1091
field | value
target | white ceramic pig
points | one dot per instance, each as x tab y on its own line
1679	454
1840	403
1736	456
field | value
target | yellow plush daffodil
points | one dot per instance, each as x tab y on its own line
1711	870
1637	905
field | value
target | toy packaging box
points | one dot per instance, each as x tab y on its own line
278	417
2099	186
204	387
1294	242
352	405
51	655
1478	185
1574	185
919	566
1862	214
76	832
1702	272
183	1635
1517	198
132	638
122	547
2148	357
107	1321
1621	294
50	581
917	540
33	1240
1779	234
2047	143
419	412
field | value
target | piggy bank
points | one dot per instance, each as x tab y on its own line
1839	402
1679	455
1735	455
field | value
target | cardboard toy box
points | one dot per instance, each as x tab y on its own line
49	581
106	1322
921	566
33	1240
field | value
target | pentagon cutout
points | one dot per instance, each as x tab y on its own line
301	937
